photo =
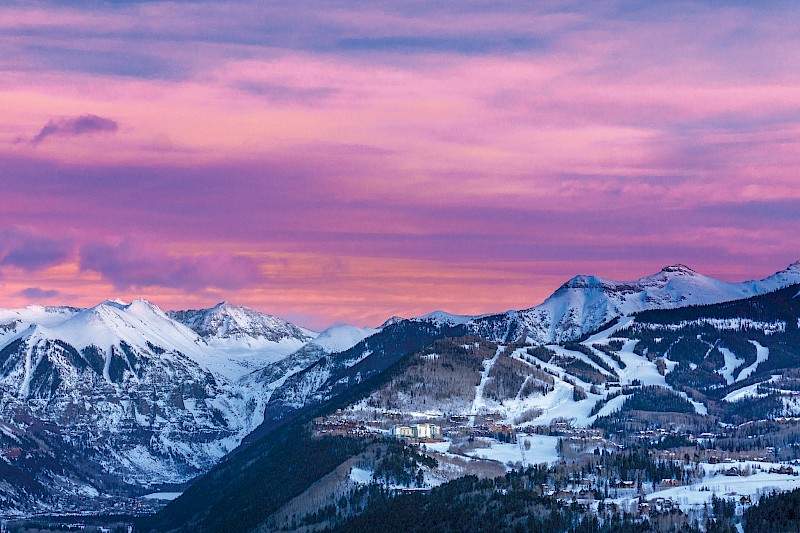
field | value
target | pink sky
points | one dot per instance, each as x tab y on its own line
347	162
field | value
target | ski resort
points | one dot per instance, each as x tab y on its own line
418	267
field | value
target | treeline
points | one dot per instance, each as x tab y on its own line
505	504
446	372
593	357
611	350
769	307
581	370
401	464
775	513
511	377
696	346
574	366
751	408
659	399
542	353
638	464
599	404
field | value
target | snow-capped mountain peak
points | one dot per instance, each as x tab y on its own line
341	337
141	324
242	338
792	270
444	318
226	320
393	320
145	381
116	302
37	314
679	269
588	282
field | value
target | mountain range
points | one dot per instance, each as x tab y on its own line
125	398
121	396
692	403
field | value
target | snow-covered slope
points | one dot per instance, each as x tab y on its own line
111	322
342	337
14	321
37	314
131	395
335	339
585	303
247	339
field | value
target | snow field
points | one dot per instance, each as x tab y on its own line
715	483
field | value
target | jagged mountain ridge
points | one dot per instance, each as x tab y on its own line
584	303
130	397
248	339
226	320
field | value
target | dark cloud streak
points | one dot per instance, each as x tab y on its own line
23	248
131	264
36	293
75	126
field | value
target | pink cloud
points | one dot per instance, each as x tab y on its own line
358	162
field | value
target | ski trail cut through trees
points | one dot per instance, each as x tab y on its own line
487	367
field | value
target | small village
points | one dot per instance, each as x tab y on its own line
579	475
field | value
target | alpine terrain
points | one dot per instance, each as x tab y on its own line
102	406
120	398
652	414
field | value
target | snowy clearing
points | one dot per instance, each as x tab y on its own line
167	496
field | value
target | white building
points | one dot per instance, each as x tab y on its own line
402	431
427	431
417	431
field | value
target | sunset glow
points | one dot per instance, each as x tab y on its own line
342	162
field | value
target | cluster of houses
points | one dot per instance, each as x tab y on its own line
339	425
345	427
417	431
657	505
784	469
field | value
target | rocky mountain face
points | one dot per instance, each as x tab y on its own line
249	340
228	321
120	397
